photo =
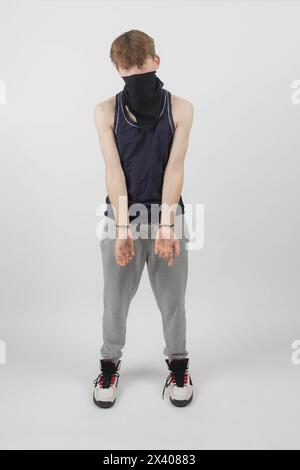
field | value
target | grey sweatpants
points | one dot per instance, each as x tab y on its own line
168	285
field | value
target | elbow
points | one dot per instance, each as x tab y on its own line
113	173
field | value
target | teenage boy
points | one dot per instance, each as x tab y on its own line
143	133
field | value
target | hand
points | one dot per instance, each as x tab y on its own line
124	247
166	244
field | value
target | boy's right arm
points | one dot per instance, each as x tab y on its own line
114	175
114	179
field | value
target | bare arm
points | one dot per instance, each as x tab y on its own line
173	180
114	175
174	173
115	181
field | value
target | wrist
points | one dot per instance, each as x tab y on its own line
167	217
166	232
122	225
122	231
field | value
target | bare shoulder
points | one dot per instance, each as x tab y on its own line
182	110
104	112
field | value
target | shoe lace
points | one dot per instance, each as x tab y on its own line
167	383
176	376
104	379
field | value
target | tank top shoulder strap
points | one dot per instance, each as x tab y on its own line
169	111
117	112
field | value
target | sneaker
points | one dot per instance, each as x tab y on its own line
106	383
180	381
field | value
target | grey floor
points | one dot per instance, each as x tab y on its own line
246	388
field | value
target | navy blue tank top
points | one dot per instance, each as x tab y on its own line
143	156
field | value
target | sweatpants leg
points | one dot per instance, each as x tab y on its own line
120	286
169	286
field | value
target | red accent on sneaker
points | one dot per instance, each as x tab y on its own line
186	379
101	380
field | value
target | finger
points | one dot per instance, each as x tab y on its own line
177	247
164	254
156	247
120	260
158	251
126	253
132	252
171	259
170	262
131	248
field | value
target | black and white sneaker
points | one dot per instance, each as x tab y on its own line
106	383
180	381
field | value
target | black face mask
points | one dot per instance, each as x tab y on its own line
143	96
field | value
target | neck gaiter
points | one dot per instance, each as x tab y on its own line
143	96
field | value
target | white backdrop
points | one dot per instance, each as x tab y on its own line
236	62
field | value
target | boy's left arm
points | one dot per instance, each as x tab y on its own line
165	243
